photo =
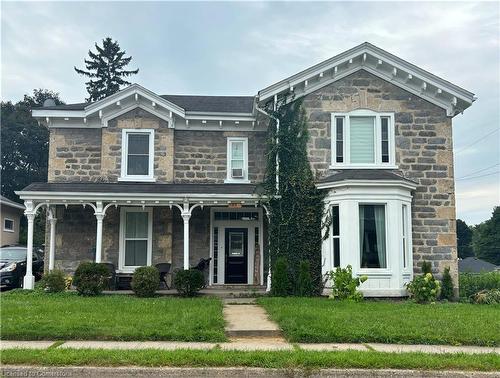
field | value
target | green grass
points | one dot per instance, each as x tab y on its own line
67	316
322	320
265	359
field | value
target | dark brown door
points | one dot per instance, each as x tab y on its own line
236	253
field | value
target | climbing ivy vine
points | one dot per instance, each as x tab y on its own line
296	205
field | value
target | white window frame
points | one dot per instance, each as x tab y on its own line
121	249
9	229
346	164
387	268
229	178
124	163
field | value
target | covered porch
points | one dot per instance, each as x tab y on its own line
136	224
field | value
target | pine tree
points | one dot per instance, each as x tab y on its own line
105	68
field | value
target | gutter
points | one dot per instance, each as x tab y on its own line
277	138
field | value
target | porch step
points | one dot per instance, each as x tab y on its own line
235	291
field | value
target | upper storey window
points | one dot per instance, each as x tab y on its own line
137	155
237	160
363	139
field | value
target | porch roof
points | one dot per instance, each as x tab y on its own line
137	191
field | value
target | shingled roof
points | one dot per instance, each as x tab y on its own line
207	104
364	174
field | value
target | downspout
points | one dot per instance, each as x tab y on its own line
277	180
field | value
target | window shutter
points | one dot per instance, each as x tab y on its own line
362	143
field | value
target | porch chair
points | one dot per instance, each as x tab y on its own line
202	264
112	275
164	269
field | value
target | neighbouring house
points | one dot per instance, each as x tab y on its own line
475	265
140	178
11	213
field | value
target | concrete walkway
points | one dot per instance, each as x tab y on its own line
249	320
248	344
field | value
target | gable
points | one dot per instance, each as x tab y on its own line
380	63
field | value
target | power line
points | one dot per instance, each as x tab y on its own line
477	141
481	170
475	177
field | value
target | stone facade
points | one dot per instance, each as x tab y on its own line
423	136
201	156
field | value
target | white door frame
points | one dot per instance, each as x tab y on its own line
250	226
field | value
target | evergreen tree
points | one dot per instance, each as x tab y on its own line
296	210
447	285
464	239
105	68
486	239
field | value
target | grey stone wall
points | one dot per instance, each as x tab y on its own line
424	153
200	156
74	155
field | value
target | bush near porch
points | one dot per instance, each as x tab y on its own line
29	315
321	320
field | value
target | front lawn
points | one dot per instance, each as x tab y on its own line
322	320
266	359
67	316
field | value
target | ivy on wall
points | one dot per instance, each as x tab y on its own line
296	207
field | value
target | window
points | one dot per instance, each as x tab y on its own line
335	236
405	237
135	249
372	238
8	225
237	159
137	155
363	139
216	252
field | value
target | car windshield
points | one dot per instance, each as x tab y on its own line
12	253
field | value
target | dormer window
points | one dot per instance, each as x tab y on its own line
237	160
137	155
363	139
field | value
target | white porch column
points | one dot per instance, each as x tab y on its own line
52	250
29	279
268	285
186	214
99	214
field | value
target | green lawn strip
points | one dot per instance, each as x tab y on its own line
265	359
67	316
322	320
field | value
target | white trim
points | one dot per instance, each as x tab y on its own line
368	183
9	229
377	164
229	178
121	249
382	64
12	204
124	162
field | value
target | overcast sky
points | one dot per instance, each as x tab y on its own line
239	48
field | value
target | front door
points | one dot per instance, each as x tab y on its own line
236	241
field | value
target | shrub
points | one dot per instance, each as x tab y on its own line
471	283
447	285
424	288
426	267
68	281
90	278
145	281
304	283
280	280
189	282
53	282
487	297
344	285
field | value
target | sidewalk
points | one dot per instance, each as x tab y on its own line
248	344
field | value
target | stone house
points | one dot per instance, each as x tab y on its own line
139	178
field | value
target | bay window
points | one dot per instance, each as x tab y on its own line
137	155
363	139
372	238
335	236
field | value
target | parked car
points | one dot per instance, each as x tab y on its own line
13	265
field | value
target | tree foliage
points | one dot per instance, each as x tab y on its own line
106	70
486	238
464	239
25	144
296	210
